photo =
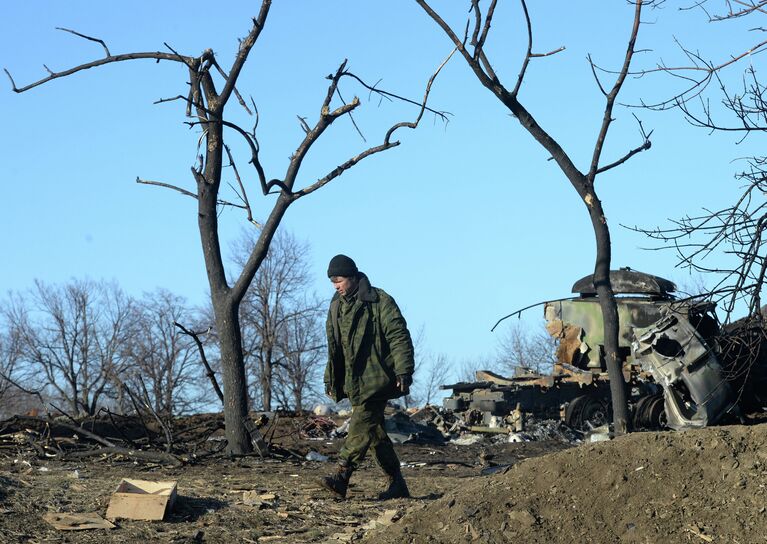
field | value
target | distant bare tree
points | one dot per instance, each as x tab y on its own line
694	286
302	345
15	395
274	308
162	361
73	336
432	372
467	368
10	352
523	349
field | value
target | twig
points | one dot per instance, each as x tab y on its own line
106	49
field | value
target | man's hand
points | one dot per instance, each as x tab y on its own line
328	391
403	383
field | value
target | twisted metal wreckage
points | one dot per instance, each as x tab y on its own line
682	369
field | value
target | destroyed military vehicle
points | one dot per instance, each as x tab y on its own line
676	371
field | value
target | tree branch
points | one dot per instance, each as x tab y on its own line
187	193
646	144
107	60
244	194
208	370
611	96
387	143
242	55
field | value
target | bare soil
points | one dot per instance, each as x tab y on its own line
211	506
699	486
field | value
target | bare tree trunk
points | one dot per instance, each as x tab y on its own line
225	306
609	308
233	372
266	380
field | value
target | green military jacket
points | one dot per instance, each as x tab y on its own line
379	348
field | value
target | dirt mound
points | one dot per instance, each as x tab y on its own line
697	486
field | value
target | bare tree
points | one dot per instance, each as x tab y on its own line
162	361
210	89
468	367
10	351
521	349
726	242
302	346
275	306
73	336
433	371
472	47
735	232
15	396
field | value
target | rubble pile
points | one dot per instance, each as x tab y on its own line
436	425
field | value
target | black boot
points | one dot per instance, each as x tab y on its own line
338	482
397	487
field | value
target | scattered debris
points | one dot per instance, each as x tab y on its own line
318	428
600	434
77	522
402	429
260	500
467	439
384	520
314	456
323	410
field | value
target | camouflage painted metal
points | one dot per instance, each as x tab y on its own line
578	325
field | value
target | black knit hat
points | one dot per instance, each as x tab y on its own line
341	265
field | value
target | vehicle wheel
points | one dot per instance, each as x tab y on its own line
650	413
639	420
587	412
656	413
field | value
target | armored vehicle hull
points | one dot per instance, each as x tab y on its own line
671	364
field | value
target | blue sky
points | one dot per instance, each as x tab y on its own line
462	224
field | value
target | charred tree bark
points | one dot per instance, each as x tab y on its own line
233	374
610	318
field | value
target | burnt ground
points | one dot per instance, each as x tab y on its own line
699	486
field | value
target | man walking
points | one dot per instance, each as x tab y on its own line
370	360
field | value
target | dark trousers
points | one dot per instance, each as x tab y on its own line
366	430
